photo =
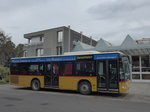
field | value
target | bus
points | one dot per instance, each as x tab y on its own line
85	72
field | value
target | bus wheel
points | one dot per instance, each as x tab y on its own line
85	88
35	85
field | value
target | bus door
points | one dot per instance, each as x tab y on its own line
51	75
107	77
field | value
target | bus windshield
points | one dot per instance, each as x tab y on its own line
124	69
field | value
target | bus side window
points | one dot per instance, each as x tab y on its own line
14	68
48	69
85	68
67	69
55	69
36	69
24	68
41	69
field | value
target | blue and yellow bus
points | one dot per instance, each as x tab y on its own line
84	72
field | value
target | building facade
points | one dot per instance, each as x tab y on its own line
138	50
54	41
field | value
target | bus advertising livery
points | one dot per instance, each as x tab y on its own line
86	73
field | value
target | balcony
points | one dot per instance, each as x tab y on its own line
34	44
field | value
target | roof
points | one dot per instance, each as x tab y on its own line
32	34
128	46
79	46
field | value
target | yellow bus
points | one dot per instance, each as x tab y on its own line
84	72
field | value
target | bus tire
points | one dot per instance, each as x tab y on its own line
85	88
35	85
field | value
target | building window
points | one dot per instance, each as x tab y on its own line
39	52
59	50
135	64
60	36
145	61
36	39
41	39
135	76
24	53
145	76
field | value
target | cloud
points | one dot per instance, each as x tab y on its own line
19	17
121	9
108	19
121	17
12	5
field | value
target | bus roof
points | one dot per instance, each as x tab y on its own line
70	57
72	54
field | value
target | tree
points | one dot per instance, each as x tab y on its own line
19	50
7	49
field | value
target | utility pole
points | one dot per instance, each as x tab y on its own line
69	45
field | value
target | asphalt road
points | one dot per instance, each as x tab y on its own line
16	99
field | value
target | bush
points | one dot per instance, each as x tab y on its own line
4	74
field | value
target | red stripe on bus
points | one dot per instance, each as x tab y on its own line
27	75
59	76
123	81
77	76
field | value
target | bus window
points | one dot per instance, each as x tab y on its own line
101	69
55	73
122	76
113	78
85	68
33	69
24	68
67	70
124	69
41	68
55	69
48	68
14	68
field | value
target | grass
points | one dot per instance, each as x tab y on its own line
3	81
4	74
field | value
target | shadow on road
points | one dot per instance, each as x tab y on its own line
111	95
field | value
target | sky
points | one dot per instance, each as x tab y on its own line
111	20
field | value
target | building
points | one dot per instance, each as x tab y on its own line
138	50
54	41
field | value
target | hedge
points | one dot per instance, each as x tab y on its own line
4	74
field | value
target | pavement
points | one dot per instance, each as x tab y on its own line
139	92
19	99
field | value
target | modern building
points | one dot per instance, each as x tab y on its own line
54	41
138	50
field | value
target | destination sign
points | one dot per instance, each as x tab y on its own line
106	56
84	57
